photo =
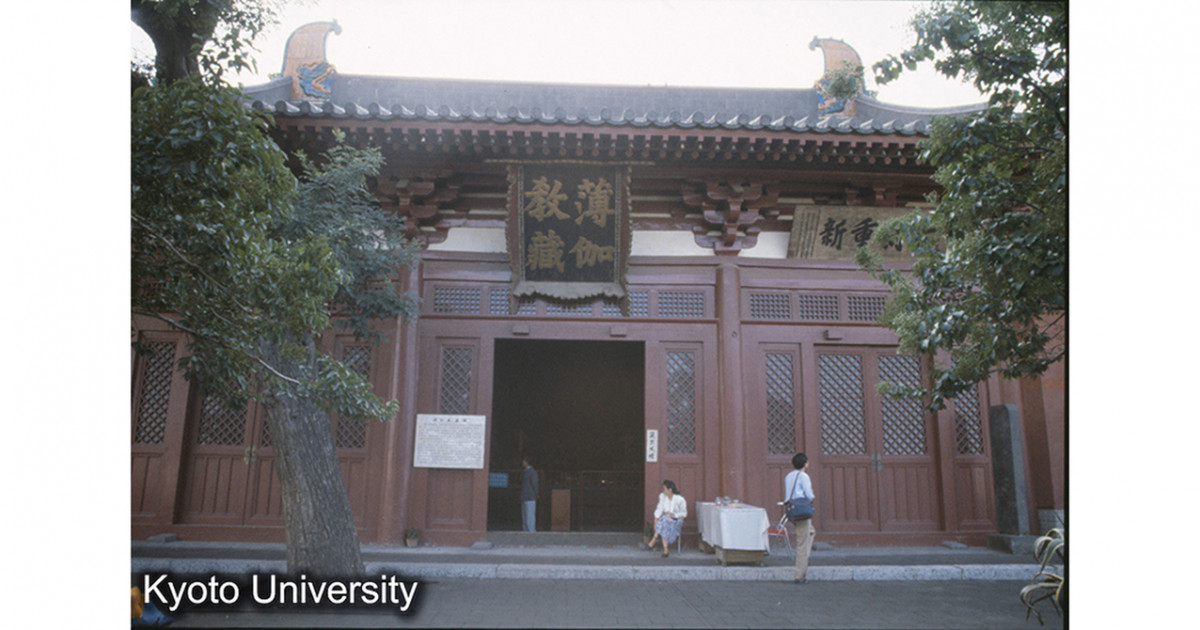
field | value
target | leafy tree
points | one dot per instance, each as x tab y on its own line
253	263
988	284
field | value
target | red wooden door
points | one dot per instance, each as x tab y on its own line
224	448
878	472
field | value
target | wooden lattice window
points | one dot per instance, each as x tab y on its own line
686	304
903	418
498	301
968	423
818	307
219	425
770	306
157	365
457	300
840	393
864	308
681	402
781	403
455	395
353	433
579	308
610	308
639	303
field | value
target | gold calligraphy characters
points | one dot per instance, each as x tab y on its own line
545	251
543	200
598	196
588	253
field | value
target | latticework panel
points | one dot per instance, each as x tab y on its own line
818	307
968	425
686	304
681	402
864	308
610	308
353	433
219	425
157	365
639	303
455	395
578	308
781	403
457	300
498	301
840	392
770	306
903	419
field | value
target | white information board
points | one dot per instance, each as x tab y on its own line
449	441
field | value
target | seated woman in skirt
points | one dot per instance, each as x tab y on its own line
668	516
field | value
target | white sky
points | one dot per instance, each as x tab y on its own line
729	43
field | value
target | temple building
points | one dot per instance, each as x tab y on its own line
628	284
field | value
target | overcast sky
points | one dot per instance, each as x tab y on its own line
730	43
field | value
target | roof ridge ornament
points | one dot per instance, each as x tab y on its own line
842	82
304	61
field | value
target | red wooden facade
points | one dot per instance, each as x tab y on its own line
746	360
763	382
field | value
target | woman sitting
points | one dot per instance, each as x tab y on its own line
668	516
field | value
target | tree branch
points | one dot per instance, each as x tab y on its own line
187	261
218	341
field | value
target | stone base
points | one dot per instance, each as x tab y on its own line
1008	543
1051	519
739	556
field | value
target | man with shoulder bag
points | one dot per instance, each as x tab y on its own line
798	504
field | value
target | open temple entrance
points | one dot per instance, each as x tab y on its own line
577	408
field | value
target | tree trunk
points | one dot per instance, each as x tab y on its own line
173	41
321	538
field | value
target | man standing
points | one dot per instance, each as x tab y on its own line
529	494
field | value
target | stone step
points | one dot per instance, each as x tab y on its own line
575	539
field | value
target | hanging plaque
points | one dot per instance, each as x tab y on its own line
836	232
568	229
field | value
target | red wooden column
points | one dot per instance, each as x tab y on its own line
401	386
732	408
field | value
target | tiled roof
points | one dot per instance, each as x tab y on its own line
444	100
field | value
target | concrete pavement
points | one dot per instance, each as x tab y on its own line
622	586
546	603
625	562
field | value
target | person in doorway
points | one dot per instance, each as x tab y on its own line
529	495
668	516
797	484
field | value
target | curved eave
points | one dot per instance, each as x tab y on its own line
674	120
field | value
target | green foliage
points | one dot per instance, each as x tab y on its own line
987	292
229	247
203	38
1047	583
845	82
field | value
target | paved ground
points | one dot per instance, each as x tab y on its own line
536	603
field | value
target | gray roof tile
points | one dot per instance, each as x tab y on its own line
398	98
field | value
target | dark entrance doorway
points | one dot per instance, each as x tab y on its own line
577	409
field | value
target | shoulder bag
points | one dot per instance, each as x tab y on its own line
797	508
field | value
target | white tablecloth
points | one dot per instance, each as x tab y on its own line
743	527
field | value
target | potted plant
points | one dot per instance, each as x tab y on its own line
411	536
